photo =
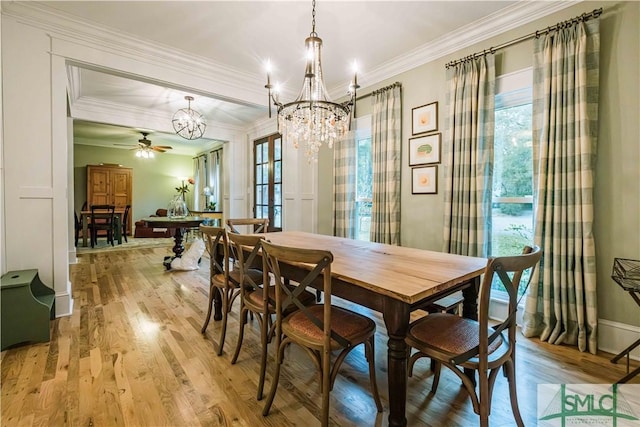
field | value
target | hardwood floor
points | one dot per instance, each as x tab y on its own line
132	354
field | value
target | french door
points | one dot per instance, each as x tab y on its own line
267	194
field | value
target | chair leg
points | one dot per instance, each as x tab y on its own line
265	335
243	321
276	379
206	320
437	366
225	315
370	355
483	397
510	371
326	385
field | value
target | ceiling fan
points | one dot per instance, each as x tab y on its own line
144	147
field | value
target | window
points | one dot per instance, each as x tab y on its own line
267	154
512	204
364	178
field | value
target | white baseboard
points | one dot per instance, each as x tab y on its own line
613	337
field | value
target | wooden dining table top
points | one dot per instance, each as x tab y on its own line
403	273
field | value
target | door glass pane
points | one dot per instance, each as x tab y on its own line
277	155
277	216
277	194
259	153
259	193
259	179
277	172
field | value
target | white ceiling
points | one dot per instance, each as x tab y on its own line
239	36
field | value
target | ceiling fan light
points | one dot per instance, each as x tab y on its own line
188	123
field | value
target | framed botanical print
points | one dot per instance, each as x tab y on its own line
424	180
424	150
424	118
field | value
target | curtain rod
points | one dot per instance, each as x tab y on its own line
378	90
581	18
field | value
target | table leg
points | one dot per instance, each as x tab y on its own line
178	249
396	319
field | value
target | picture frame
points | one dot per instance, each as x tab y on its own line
424	180
424	118
424	150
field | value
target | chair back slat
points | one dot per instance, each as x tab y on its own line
215	241
260	225
319	266
501	267
239	244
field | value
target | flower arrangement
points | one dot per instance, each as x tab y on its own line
184	188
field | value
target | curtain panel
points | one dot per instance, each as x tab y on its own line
562	307
386	134
344	187
214	177
199	168
469	153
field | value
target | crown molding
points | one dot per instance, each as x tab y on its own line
521	13
237	85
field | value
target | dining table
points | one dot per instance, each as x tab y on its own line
392	280
85	216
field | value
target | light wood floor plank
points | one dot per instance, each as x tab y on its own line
131	354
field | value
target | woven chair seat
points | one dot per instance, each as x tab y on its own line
234	275
449	333
348	324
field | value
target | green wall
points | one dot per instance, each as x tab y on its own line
617	186
154	180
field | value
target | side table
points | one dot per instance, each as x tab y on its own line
626	273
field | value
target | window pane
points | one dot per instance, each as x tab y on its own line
265	172
259	179
265	152
265	194
512	213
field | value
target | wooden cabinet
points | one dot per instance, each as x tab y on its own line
110	185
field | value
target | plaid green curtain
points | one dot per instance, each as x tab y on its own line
469	157
386	143
344	187
562	308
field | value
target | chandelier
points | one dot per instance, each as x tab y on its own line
188	123
312	119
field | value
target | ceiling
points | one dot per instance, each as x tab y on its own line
384	37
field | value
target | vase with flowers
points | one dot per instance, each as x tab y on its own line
178	205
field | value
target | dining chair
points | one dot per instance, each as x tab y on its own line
222	278
102	219
319	329
260	225
457	342
254	299
125	222
77	227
